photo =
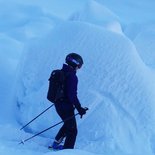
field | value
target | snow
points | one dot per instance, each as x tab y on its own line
131	11
146	52
116	82
99	15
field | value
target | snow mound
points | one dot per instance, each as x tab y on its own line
20	16
112	60
9	56
25	21
146	51
132	30
98	14
10	49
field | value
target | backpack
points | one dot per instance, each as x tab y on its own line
56	86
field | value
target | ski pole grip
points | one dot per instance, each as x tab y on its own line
86	108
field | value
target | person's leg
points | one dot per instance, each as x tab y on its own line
61	134
69	129
58	139
71	133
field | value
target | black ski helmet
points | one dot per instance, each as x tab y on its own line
74	60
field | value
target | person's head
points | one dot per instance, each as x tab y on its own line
74	60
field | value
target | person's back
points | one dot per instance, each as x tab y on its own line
65	108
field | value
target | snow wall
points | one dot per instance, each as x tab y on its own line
114	83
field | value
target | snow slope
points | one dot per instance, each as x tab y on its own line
116	81
132	11
97	14
120	95
146	50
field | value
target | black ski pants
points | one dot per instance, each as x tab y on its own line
69	128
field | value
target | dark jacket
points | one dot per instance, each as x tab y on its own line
71	100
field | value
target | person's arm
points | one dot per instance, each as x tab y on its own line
72	94
72	91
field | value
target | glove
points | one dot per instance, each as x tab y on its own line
82	111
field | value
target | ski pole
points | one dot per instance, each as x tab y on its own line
22	141
36	117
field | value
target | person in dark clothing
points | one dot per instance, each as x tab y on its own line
65	108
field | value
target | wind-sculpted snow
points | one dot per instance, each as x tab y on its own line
98	14
146	50
25	21
114	82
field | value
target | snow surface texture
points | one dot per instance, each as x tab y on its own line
99	15
116	81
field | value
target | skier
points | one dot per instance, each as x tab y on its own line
65	108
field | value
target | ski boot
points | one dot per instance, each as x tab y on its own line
56	146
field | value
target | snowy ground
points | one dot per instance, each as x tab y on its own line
116	40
